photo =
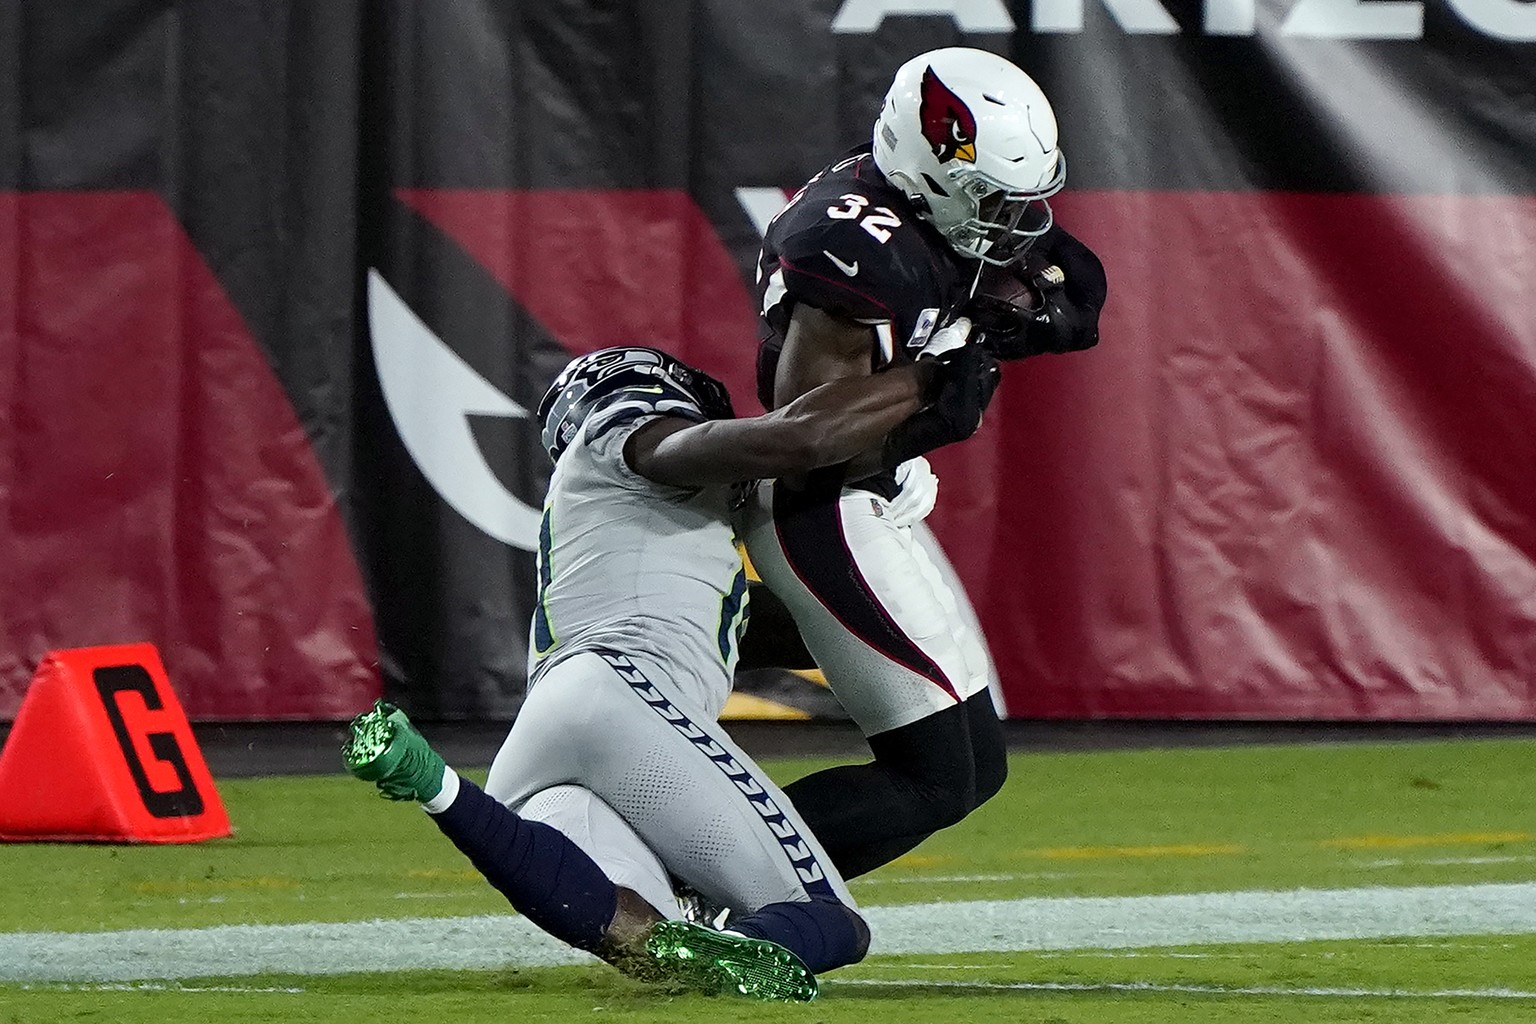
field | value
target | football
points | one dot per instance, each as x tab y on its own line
1007	284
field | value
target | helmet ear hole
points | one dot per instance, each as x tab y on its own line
934	185
912	190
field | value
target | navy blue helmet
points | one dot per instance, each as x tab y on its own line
626	382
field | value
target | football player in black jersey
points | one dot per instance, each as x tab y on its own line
937	233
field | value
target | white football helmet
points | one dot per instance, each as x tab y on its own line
971	140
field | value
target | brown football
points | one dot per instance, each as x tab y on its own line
1006	284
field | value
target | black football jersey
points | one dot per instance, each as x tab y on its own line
851	245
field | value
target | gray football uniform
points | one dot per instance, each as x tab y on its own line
635	566
642	597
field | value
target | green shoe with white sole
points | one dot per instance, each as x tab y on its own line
713	962
385	749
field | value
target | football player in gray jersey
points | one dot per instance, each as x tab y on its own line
616	778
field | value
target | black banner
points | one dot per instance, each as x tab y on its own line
281	282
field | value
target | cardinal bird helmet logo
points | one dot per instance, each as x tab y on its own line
948	124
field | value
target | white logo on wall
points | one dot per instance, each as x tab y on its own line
431	393
761	205
865	16
1514	20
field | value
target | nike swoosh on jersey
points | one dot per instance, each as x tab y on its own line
851	269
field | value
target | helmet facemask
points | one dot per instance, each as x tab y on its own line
1003	222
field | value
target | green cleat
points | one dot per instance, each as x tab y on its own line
386	750
713	962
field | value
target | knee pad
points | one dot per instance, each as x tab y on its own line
823	931
861	932
852	941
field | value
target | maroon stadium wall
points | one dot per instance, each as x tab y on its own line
279	283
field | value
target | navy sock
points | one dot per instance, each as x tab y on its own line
822	932
546	877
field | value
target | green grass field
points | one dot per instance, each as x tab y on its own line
1124	824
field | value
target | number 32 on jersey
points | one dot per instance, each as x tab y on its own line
877	221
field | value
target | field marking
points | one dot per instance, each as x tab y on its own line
923	860
428	896
251	883
1102	852
1370	842
1215	990
1142	954
158	986
1398	862
1448	839
1204	918
922	879
1025	986
981	926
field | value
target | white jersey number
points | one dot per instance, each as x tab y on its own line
877	221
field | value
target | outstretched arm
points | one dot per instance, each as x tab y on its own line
827	425
818	348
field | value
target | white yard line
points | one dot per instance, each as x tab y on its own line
1122	922
160	986
1397	862
928	879
1224	990
1200	918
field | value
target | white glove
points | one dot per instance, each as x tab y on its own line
919	492
947	338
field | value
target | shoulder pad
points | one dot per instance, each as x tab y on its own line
869	265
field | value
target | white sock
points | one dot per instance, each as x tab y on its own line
445	796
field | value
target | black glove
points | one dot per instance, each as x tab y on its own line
1069	282
963	388
1057	324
